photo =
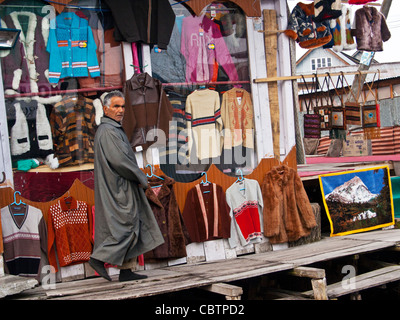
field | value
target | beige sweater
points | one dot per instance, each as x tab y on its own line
204	124
237	117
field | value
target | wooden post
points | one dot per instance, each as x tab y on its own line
271	52
319	288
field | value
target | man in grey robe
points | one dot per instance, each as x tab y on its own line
125	226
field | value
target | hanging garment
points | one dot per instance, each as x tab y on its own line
69	230
246	203
307	32
163	203
327	9
206	213
202	45
147	110
72	48
342	38
24	67
29	128
24	239
125	224
169	65
360	1
109	51
204	124
371	29
287	211
73	127
174	152
147	21
237	118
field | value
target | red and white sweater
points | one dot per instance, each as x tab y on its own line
246	203
70	232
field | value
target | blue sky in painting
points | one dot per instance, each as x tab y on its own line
373	180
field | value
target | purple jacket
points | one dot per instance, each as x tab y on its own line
201	45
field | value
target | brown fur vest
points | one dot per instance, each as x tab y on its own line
371	29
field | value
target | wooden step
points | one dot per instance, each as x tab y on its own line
361	282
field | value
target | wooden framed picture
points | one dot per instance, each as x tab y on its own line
358	200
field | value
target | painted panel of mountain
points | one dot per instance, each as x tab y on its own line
358	200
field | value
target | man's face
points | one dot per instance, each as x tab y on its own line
116	110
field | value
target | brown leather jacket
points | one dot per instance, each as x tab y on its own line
146	108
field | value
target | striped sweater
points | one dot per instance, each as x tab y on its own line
204	124
72	48
24	239
73	128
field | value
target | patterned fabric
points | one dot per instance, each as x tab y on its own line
73	127
70	232
337	118
72	48
312	126
371	117
307	32
246	203
175	151
352	113
325	114
24	236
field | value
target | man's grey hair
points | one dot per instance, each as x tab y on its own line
111	94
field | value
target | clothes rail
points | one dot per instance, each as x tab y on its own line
53	93
202	83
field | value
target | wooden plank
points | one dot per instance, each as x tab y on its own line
143	288
308	272
326	249
224	289
319	289
271	55
363	281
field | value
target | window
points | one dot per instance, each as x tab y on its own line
320	63
58	71
205	73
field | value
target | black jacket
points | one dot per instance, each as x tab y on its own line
147	21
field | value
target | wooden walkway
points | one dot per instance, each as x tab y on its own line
216	276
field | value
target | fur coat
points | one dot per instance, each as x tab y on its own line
287	212
162	200
371	29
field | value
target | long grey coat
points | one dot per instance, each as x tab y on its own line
125	226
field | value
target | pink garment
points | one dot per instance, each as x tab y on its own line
202	44
135	58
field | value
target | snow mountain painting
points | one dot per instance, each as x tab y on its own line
358	200
351	191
